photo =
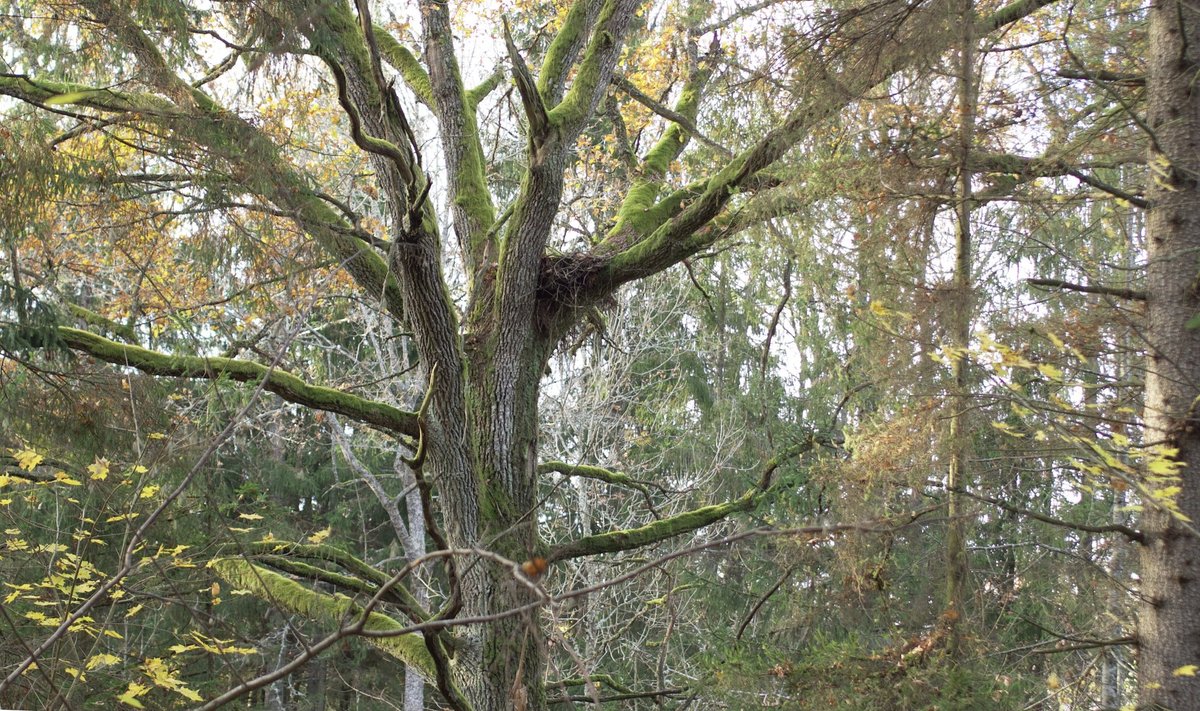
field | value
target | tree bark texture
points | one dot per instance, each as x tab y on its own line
1169	623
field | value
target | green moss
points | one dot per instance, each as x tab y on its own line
406	63
294	597
660	530
91	317
574	107
280	382
555	65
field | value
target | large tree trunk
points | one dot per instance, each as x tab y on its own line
1169	624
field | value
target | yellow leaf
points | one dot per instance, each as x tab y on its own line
250	517
157	435
121	517
63	478
99	469
101	660
131	695
1164	467
75	673
134	610
1186	670
320	535
1050	371
1007	429
149	491
27	459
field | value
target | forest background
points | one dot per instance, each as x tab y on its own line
669	355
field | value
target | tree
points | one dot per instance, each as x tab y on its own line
158	99
1169	622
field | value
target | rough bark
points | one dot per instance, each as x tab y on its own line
1169	621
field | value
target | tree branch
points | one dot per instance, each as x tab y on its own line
406	63
600	474
282	383
687	122
294	597
535	110
1131	534
679	524
689	229
1119	292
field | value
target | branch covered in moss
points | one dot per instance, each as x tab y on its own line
564	48
679	524
595	67
282	383
599	474
405	62
661	530
294	597
94	319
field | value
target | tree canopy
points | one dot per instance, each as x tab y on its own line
651	355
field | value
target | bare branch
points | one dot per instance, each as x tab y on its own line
1119	292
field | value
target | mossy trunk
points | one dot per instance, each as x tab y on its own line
490	504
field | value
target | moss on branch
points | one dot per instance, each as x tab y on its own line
562	50
294	597
94	319
639	212
407	64
679	524
282	383
651	533
599	474
593	68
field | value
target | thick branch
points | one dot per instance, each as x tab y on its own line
651	533
294	597
405	62
282	383
595	68
564	48
470	199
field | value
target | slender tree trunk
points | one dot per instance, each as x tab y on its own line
1169	623
960	331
